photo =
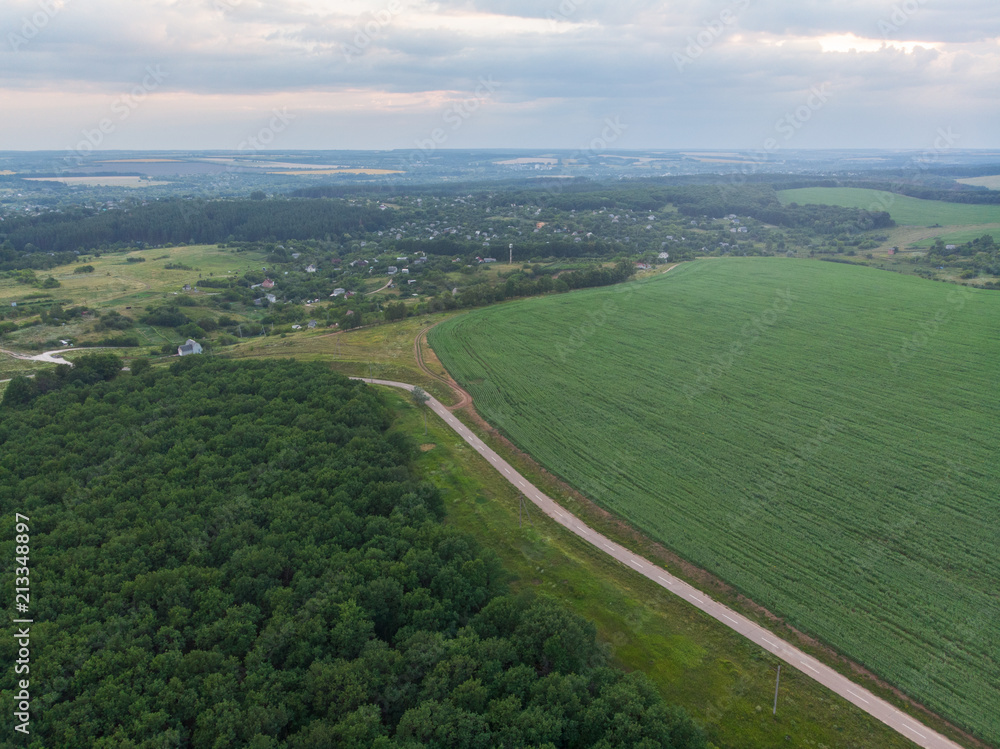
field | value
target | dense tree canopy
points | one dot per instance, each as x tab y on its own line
237	555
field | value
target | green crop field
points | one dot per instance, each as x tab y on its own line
824	437
904	210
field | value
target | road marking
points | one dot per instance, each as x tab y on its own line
858	696
541	499
914	731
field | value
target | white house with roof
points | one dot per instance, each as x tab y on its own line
191	347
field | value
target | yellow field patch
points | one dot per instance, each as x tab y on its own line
301	172
121	181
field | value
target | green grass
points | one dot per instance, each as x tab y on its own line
724	681
903	209
383	351
117	284
957	237
842	481
991	182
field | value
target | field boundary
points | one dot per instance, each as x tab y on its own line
809	666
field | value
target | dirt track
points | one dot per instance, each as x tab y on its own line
875	706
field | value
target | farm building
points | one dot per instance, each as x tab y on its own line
191	347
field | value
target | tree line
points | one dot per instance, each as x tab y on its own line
180	221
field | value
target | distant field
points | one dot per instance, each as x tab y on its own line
960	237
903	209
101	181
762	418
301	172
992	182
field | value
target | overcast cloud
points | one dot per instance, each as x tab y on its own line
192	74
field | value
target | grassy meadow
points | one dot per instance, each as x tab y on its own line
125	287
725	682
904	210
822	437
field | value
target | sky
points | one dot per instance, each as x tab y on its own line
519	74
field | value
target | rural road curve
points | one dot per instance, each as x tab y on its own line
856	695
48	356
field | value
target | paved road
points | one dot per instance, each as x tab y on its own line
856	695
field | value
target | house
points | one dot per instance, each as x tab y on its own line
486	259
187	287
191	347
310	269
312	324
296	327
393	270
338	292
268	284
664	256
412	280
402	259
350	294
643	266
296	255
951	246
406	271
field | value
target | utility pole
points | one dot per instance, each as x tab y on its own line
522	506
512	254
776	682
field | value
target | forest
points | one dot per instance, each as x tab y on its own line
237	555
180	220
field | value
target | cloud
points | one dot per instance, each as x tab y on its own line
680	70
